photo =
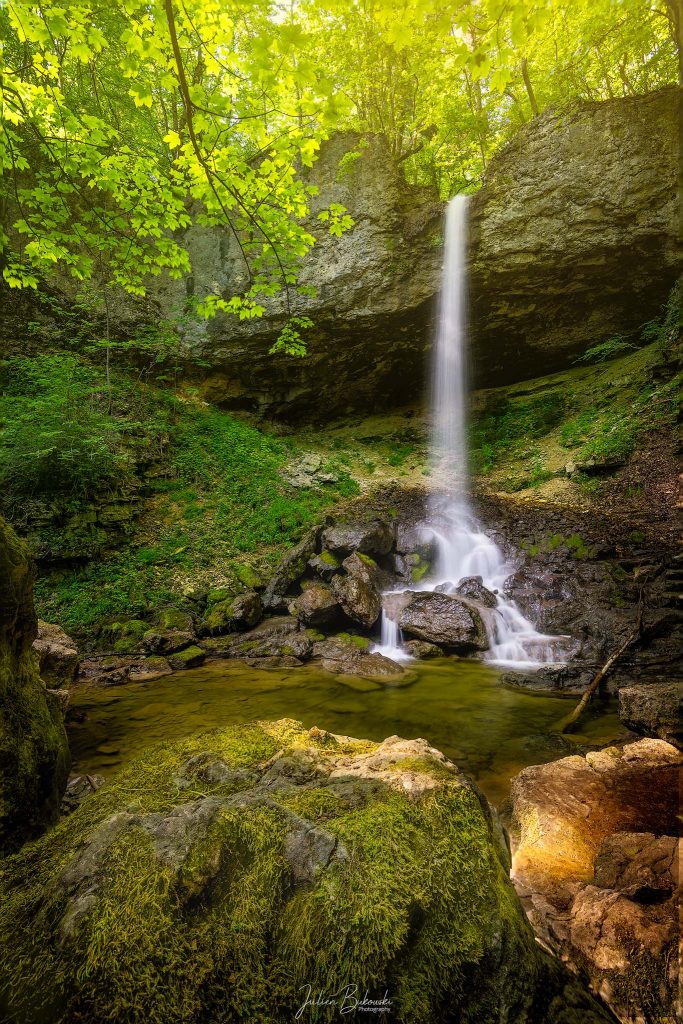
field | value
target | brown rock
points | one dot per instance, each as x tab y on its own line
57	655
594	861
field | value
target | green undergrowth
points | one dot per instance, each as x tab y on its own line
583	423
199	492
214	926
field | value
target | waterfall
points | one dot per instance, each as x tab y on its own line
390	640
463	549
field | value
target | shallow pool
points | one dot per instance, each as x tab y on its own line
489	730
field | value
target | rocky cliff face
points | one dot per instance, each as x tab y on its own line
573	241
34	756
375	289
575	237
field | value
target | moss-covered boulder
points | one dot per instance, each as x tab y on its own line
229	614
34	756
218	877
190	657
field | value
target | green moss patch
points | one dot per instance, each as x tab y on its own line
182	891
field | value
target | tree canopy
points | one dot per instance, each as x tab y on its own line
123	123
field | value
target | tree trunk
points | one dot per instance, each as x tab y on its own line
529	88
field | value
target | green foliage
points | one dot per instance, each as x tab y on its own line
55	437
610	349
399	454
498	432
666	331
448	84
217	492
116	119
612	440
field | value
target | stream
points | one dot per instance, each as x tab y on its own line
489	730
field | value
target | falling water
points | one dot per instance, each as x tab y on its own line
462	547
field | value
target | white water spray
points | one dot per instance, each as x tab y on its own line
462	547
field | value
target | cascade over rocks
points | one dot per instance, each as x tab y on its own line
34	755
239	873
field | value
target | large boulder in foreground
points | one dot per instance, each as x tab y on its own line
596	862
446	620
34	755
221	876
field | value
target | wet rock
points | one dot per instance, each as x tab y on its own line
415	539
325	565
423	650
445	620
373	538
292	645
654	707
78	789
147	669
110	670
190	657
561	678
272	661
351	662
595	848
34	753
473	587
357	591
232	614
290	570
394	603
166	641
57	655
316	606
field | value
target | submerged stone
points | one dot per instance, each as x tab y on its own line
218	876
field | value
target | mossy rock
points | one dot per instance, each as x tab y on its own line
216	877
174	618
34	754
191	657
248	576
124	637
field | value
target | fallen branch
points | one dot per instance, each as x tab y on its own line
566	723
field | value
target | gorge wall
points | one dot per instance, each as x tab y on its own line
574	239
34	755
